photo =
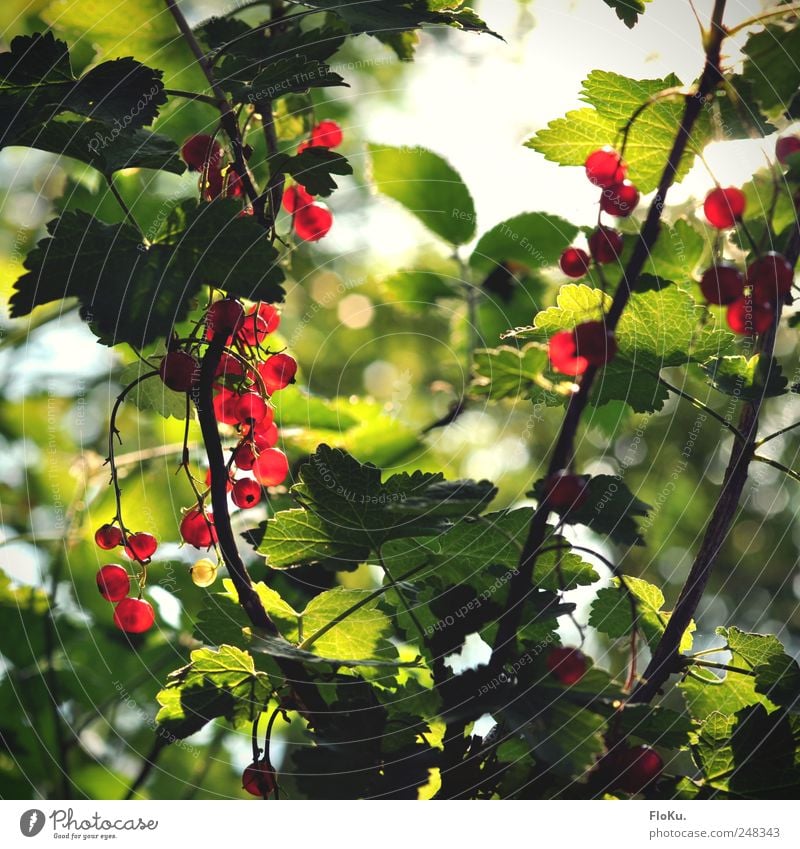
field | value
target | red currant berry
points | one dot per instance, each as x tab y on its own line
566	665
747	316
722	284
225	316
197	528
229	367
225	403
327	134
573	351
296	198
179	370
313	222
724	207
246	493
251	407
605	167
278	372
574	262
771	277
113	582
786	147
265	435
620	199
270	315
271	467
108	536
259	780
201	149
564	491
253	331
134	615
208	480
211	183
638	767
141	546
244	457
605	245
233	187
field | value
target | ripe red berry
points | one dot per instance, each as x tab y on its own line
786	147
771	277
564	491
605	245
620	199
108	536
313	222
225	316
211	182
573	351
244	457
265	435
637	767
200	149
278	372
253	330
271	467
747	316
722	284
141	546
566	665
229	367
225	403
327	134
270	315
232	186
574	262
259	780
605	167
113	582
251	407
179	370
296	198
246	493
197	528
724	207
208	480
134	615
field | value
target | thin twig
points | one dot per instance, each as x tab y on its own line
766	15
124	206
696	402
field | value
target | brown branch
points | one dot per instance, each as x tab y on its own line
666	658
227	115
561	458
306	692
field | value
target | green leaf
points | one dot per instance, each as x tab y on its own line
216	683
86	259
746	378
610	509
101	146
296	408
774	78
313	168
428	187
415	291
37	84
754	754
507	372
611	612
613	98
658	726
152	394
533	239
628	11
737	113
676	253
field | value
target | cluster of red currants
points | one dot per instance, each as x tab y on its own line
132	615
752	296
205	154
311	219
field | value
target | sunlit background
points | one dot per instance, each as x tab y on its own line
396	365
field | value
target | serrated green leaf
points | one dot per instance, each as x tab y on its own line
427	186
658	726
86	259
533	239
313	168
611	612
676	253
216	683
613	98
774	78
628	11
152	394
507	372
747	378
